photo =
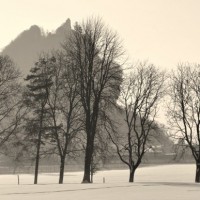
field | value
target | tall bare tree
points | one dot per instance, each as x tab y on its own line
11	109
140	94
184	108
96	52
64	109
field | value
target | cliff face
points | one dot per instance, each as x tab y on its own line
25	49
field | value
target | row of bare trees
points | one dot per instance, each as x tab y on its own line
71	96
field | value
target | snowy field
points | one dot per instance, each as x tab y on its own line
167	182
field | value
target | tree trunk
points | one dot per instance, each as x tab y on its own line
37	159
91	177
88	160
91	170
131	176
62	170
197	178
91	130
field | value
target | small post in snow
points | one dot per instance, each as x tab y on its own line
104	180
18	178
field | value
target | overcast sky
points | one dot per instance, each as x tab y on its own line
164	32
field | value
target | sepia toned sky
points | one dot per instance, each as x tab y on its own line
164	32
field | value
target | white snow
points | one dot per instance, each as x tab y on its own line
167	182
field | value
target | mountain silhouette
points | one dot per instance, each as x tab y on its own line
26	48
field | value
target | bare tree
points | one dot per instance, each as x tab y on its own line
96	52
64	109
11	109
184	108
140	94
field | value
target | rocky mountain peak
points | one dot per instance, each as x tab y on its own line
64	28
28	45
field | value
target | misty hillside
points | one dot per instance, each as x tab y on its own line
25	49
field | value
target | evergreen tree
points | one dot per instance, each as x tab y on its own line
36	97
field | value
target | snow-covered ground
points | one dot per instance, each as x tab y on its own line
167	182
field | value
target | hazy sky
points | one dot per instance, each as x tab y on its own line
163	31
